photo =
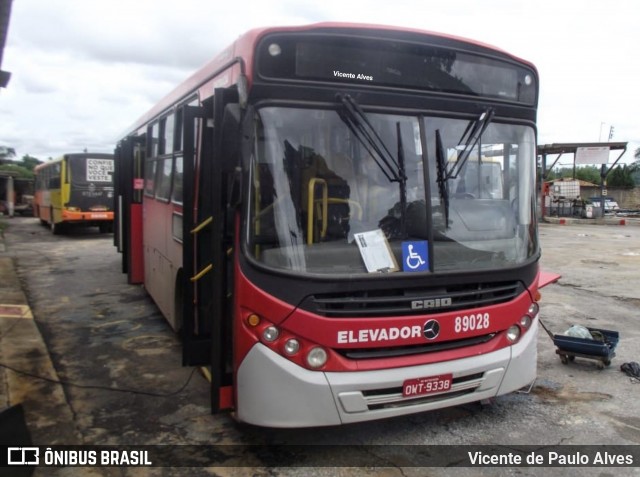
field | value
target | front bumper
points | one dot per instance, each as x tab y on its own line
274	392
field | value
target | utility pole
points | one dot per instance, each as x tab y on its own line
603	174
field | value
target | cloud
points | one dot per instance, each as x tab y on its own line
83	71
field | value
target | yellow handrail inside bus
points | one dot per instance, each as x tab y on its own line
349	202
310	207
206	372
202	273
202	225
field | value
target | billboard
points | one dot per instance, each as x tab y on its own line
592	155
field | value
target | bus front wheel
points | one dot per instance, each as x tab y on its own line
39	215
56	228
106	228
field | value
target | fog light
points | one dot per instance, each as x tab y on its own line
525	321
513	333
316	358
533	309
253	320
270	333
291	347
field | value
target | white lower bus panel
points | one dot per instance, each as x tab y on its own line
274	392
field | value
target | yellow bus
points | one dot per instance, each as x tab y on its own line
75	189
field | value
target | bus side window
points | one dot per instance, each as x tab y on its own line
149	177
167	135
163	183
54	183
154	139
178	171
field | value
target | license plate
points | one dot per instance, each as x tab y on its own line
428	385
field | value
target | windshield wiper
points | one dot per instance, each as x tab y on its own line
361	127
443	184
394	170
403	183
470	139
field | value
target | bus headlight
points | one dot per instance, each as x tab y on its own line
513	333
291	346
525	321
270	333
317	357
533	309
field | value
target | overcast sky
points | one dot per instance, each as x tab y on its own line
84	70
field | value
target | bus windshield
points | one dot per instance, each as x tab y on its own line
317	184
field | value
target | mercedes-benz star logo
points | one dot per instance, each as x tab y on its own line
431	329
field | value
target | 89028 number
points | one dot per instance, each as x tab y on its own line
466	323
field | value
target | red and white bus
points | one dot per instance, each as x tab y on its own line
340	221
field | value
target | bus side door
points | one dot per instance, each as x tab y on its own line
207	326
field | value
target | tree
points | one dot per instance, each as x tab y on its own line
29	162
635	167
7	153
621	176
589	174
22	172
24	167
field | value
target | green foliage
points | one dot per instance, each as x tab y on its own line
625	175
29	162
24	167
635	167
7	153
621	176
587	173
22	172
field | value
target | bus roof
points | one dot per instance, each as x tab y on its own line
237	59
94	155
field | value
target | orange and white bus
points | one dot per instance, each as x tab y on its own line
75	189
309	211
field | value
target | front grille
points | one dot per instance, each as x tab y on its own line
398	302
374	353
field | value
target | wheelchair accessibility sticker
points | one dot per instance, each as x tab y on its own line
415	256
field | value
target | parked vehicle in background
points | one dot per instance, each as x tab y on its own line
24	206
610	205
75	189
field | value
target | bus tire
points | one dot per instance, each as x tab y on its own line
106	227
56	228
36	213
